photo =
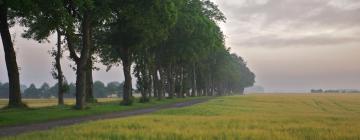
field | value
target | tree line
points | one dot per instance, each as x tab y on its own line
100	90
175	48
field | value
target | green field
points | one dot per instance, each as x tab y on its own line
35	103
44	110
252	117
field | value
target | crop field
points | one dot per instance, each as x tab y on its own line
251	117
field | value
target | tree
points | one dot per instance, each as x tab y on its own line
190	41
9	9
115	88
99	90
32	92
44	91
76	20
136	25
47	18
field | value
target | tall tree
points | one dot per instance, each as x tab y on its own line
137	24
16	7
87	16
189	41
45	19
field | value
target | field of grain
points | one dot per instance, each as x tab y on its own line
35	103
251	117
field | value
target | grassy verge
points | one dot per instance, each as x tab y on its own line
36	103
255	117
40	114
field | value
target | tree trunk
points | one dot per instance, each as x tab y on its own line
149	83
60	76
10	59
82	65
146	87
155	83
194	89
89	84
181	82
171	81
241	90
211	81
187	83
161	84
127	90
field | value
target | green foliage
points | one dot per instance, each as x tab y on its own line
136	25
177	46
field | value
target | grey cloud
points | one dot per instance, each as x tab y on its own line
274	41
284	23
316	11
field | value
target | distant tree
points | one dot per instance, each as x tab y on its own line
44	91
4	90
71	92
114	88
317	91
22	88
32	92
99	89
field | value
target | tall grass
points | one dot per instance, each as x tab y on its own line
254	117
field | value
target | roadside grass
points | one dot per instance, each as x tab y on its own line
35	103
45	110
252	117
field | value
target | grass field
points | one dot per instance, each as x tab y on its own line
252	117
44	110
34	103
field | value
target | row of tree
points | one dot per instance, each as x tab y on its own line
100	90
175	46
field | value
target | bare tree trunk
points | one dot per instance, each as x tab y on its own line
211	81
171	81
89	84
82	65
150	83
146	86
194	88
181	82
10	59
127	90
161	84
199	91
155	82
60	76
242	91
187	83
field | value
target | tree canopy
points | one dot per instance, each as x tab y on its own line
175	47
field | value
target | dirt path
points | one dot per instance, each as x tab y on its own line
19	129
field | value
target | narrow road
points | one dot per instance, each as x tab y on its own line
19	129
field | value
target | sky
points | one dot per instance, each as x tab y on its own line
291	45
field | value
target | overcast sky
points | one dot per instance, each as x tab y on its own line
291	45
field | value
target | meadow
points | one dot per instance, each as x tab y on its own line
41	110
251	117
36	103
